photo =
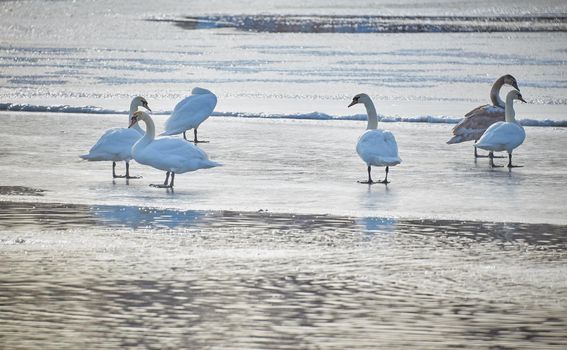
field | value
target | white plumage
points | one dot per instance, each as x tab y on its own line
171	155
190	112
378	148
116	144
375	147
504	136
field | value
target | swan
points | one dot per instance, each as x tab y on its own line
506	135
375	147
174	156
116	143
479	119
190	112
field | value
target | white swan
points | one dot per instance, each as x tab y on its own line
169	154
479	119
116	144
375	147
190	112
504	136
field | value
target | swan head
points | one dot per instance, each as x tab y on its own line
137	116
515	95
510	80
139	101
360	98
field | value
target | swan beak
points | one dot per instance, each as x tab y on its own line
522	99
352	103
515	85
147	107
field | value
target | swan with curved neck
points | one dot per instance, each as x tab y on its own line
375	147
506	135
174	156
479	119
116	144
190	112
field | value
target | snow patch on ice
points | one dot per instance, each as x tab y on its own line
302	116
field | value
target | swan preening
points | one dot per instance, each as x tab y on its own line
172	155
506	135
479	119
116	144
190	112
375	147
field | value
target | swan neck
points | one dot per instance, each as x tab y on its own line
509	112
495	93
372	116
150	133
134	108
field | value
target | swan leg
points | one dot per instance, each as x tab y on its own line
492	165
164	185
195	140
385	181
510	162
114	171
369	182
128	172
172	177
476	155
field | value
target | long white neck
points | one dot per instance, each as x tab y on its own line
495	93
134	108
149	136
509	110
372	116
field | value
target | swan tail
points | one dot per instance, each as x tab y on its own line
170	133
456	139
210	164
86	157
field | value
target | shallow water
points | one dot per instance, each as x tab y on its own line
76	275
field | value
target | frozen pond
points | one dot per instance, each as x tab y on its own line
295	166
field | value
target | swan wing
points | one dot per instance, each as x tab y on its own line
502	136
114	145
476	122
171	154
379	148
190	112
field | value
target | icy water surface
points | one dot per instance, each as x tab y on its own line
116	276
294	166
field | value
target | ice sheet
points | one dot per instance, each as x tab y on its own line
295	166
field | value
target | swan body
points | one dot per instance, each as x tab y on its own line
375	147
172	155
378	148
506	135
190	112
116	144
479	119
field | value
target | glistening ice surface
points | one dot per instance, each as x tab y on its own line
281	248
